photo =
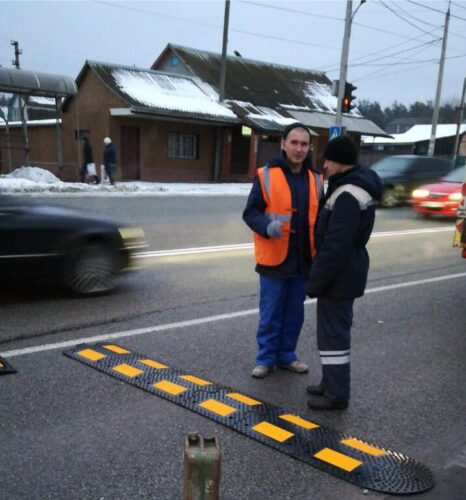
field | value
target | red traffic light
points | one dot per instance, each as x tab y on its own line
346	103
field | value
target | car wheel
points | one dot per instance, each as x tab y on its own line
389	199
93	270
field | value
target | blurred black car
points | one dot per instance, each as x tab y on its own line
54	244
401	174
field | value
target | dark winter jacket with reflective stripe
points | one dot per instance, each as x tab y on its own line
344	225
299	256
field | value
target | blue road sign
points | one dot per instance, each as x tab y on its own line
334	132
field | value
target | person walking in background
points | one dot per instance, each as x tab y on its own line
281	210
339	270
110	159
88	162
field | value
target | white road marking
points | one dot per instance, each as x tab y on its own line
249	246
199	321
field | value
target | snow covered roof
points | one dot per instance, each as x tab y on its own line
263	118
283	94
156	92
417	133
355	124
256	82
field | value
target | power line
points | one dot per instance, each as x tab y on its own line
268	6
368	63
458	5
401	17
270	37
414	17
416	66
385	69
372	74
352	64
415	62
436	10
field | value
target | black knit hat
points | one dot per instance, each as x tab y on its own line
341	150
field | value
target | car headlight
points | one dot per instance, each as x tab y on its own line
420	193
133	237
455	196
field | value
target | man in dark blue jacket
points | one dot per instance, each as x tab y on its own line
339	270
110	159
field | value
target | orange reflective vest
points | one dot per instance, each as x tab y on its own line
277	196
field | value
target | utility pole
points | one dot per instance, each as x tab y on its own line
431	149
15	61
344	62
458	126
223	67
22	104
221	91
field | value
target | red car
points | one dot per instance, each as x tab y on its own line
441	197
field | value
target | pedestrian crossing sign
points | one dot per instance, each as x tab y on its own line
334	132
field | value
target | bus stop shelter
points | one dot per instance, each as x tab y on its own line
30	83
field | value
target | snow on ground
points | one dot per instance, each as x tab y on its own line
40	182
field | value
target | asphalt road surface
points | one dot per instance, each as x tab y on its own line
68	431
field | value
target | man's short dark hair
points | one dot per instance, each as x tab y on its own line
292	126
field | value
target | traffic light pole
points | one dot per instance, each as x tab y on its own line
344	62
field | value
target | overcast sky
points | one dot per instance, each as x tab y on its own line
394	51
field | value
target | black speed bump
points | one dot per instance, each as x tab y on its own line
5	367
345	456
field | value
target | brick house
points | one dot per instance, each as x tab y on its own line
266	97
163	125
168	125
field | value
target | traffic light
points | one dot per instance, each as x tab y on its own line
348	98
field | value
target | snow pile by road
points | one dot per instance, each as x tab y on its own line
38	181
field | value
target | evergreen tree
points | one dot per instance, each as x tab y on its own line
423	111
373	112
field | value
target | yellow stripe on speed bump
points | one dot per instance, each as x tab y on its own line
327	449
153	364
129	371
116	348
272	431
91	354
195	380
338	459
305	424
216	407
170	387
243	399
366	448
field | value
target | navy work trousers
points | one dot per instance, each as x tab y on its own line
281	311
334	320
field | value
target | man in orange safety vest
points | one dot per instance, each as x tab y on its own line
281	210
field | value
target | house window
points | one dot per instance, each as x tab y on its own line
184	146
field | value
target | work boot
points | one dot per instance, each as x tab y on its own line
322	403
261	371
315	390
295	366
